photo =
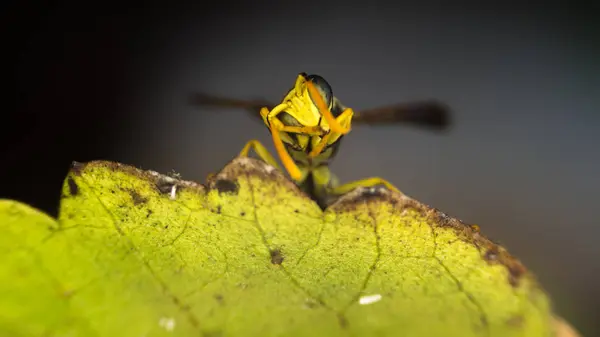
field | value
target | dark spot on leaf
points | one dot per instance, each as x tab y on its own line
491	254
218	209
276	256
226	186
164	186
366	195
68	293
343	321
136	197
219	298
516	270
296	211
166	226
149	213
516	321
242	213
73	188
215	333
369	194
77	167
311	304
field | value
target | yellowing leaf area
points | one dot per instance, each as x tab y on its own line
136	253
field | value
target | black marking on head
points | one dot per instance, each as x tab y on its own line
276	256
336	108
323	87
73	188
226	186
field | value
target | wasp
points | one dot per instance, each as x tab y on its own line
308	126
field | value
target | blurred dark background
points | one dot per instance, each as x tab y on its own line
521	160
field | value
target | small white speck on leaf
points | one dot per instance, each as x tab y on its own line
370	299
173	192
167	323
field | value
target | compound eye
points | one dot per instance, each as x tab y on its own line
323	87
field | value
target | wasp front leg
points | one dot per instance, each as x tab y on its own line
344	120
368	182
261	151
276	126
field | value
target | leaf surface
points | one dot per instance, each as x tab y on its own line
136	253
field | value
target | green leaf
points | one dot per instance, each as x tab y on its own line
136	253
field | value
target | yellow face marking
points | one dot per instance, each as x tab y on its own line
300	105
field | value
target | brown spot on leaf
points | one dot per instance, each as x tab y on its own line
491	254
250	167
164	186
219	298
226	186
215	333
516	271
276	256
68	293
311	304
516	321
73	188
356	198
136	197
342	321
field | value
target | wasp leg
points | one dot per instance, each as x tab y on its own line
324	110
262	152
344	120
276	126
368	182
307	130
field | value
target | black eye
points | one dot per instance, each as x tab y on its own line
323	87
